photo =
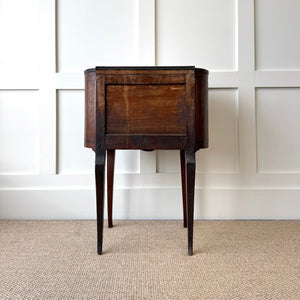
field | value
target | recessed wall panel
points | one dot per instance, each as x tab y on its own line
19	130
277	34
196	32
127	161
168	161
278	127
19	36
73	157
96	32
222	154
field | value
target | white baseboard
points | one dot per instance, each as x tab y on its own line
151	203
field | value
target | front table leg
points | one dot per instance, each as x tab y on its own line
99	176
190	190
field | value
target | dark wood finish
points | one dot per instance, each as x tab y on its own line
100	158
99	178
110	184
146	108
90	110
142	78
148	141
201	107
190	189
147	76
183	186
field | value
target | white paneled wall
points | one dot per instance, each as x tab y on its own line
19	36
201	33
71	156
252	49
278	127
222	156
92	31
277	34
19	132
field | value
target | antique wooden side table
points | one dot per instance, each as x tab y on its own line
146	108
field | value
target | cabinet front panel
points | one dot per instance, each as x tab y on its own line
145	109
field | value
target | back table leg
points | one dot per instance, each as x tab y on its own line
183	186
110	184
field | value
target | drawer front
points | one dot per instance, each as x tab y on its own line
145	109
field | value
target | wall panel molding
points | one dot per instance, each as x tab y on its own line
47	63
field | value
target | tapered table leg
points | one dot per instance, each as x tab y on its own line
190	190
99	176
110	184
183	186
